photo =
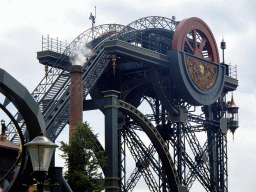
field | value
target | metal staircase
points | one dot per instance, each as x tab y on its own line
57	115
52	93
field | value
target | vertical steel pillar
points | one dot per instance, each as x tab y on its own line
179	152
212	159
122	171
225	163
222	163
212	149
222	155
121	153
111	141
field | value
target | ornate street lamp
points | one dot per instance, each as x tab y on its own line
40	150
233	116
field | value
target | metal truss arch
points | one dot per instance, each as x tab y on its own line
156	22
88	36
152	28
157	141
144	156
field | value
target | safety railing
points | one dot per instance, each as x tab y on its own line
150	41
53	44
232	71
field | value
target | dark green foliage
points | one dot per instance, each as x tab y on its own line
83	161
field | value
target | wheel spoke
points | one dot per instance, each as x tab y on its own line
198	34
209	58
202	44
189	46
194	40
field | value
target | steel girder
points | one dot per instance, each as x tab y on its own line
144	158
199	167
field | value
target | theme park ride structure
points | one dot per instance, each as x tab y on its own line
175	67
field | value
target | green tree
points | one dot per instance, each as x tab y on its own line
83	161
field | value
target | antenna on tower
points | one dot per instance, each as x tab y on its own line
93	18
95	12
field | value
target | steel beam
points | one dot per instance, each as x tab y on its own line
135	52
111	141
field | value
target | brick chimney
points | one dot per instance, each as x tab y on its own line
76	99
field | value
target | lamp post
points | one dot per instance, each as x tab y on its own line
40	150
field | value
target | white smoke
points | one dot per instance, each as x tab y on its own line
81	56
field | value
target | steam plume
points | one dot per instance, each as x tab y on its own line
81	55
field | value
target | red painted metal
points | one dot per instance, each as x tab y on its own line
208	43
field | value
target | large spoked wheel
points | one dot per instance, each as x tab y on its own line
194	36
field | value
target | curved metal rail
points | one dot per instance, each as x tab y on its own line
19	96
157	141
152	22
7	180
157	145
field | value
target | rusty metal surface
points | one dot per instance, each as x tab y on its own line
195	34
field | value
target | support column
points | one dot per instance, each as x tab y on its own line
180	144
212	148
179	152
111	140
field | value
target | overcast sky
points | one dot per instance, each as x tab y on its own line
22	24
